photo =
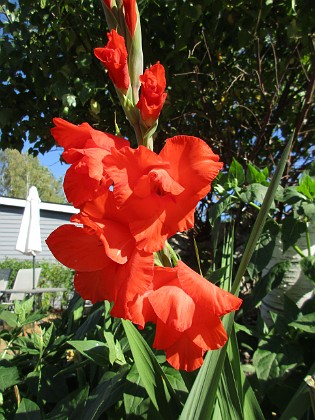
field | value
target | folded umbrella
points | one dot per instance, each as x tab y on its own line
29	240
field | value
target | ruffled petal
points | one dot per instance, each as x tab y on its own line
68	135
205	293
192	162
207	332
185	354
79	187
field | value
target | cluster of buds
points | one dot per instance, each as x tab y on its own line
122	57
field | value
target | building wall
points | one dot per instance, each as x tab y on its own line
10	221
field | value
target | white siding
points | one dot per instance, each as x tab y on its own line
10	221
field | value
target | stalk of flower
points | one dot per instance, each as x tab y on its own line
131	201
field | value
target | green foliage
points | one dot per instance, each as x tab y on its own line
20	171
250	73
247	67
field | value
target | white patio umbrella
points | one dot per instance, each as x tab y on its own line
29	240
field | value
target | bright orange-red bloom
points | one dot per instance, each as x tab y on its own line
84	148
158	193
186	309
114	57
130	15
152	95
103	253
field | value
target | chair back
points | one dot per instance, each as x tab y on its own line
24	280
4	278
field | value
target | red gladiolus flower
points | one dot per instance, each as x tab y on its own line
158	193
130	15
114	57
103	253
84	148
186	309
152	95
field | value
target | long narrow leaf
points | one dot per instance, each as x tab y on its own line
200	403
261	217
152	376
300	403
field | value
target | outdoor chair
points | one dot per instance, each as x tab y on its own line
4	278
24	281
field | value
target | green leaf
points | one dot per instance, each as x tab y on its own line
70	406
261	217
94	350
28	410
305	323
115	352
218	209
307	187
308	267
236	176
90	323
300	402
309	210
8	376
108	392
254	193
136	401
292	230
255	175
292	196
152	376
264	248
10	318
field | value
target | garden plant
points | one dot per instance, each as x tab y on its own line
230	337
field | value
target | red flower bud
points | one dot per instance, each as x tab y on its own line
152	95
114	57
130	15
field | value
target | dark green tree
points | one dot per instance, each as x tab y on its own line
240	74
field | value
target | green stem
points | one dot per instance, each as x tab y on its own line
308	242
299	251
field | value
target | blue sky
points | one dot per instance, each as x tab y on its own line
51	160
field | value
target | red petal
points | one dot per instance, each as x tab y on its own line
79	187
76	248
184	354
93	285
193	164
181	351
173	306
207	331
69	135
205	293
